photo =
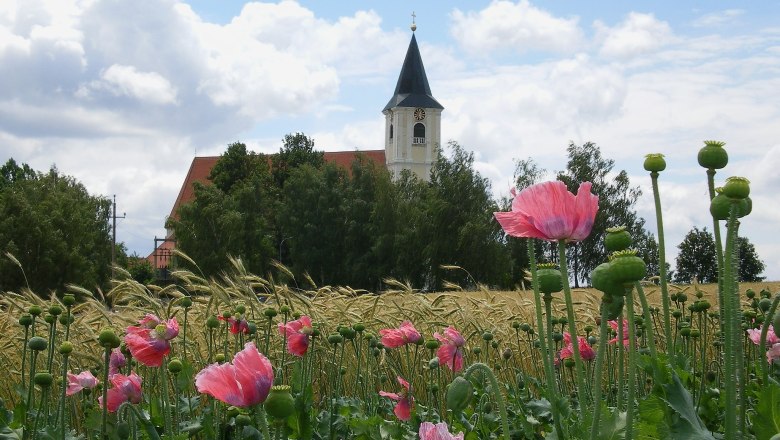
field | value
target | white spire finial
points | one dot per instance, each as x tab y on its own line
414	26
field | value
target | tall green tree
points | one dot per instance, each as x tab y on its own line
55	229
750	265
696	258
297	150
617	199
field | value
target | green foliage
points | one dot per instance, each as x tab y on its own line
297	150
140	269
697	259
766	421
57	232
750	266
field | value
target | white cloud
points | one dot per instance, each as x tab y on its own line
520	27
128	81
636	35
718	18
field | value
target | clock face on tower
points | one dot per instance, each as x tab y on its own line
419	114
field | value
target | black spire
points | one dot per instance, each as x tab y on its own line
412	89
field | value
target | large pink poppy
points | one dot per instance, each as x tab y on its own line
77	382
244	382
439	431
125	389
149	342
403	409
548	211
586	351
236	325
298	333
450	353
116	362
398	337
755	335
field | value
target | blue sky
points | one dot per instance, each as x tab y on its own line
122	95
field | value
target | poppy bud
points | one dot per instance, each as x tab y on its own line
69	300
459	394
37	343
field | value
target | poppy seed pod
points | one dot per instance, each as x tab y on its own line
626	267
617	239
655	162
550	280
737	187
280	403
712	156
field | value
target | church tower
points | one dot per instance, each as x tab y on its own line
412	119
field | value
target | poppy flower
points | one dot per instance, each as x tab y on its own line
116	362
755	335
439	431
548	211
586	351
125	389
236	325
244	382
614	325
77	382
298	333
149	345
773	354
398	337
450	353
403	409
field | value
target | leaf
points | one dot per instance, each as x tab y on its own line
766	422
686	422
612	427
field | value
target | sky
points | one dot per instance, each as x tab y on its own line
123	94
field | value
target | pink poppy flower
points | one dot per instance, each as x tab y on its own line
755	335
450	353
298	333
398	337
125	389
244	382
586	351
548	211
116	362
773	354
236	325
403	409
77	382
614	326
439	431
149	345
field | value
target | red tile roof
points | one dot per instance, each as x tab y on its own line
161	257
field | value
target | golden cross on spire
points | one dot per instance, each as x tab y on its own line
414	26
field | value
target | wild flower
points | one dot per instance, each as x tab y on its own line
450	353
116	362
403	409
439	431
773	354
150	344
614	325
398	337
125	389
298	334
78	382
586	351
244	382
548	211
755	335
236	325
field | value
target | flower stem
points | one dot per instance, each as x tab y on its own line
718	249
661	258
104	418
552	385
494	386
602	353
61	408
579	367
731	328
151	431
632	363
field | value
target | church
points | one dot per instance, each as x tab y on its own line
412	139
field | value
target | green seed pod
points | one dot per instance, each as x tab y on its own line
240	309
721	204
626	267
487	407
296	315
432	344
66	319
655	163
233	411
108	338
50	319
568	363
617	239
764	304
525	327
335	339
243	420
613	305
592	340
220	358
212	322
69	300
676	313
601	278
252	327
280	403
123	430
506	354
765	293
359	327
43	380
433	363
685	332
66	347
557	337
750	293
550	280
434	388
712	156
459	394
476	350
175	365
35	310
348	333
226	316
25	320
737	187
37	343
270	313
55	310
285	309
516	325
695	333
494	344
487	336
185	302
588	328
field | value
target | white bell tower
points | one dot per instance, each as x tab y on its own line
412	119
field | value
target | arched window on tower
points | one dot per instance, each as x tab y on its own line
419	134
391	131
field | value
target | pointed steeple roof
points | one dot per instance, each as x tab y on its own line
412	89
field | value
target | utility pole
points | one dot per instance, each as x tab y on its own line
113	238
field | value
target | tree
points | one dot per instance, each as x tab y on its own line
750	266
697	258
54	228
297	149
616	206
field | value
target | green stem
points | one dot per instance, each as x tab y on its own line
165	403
496	389
545	346
30	394
647	319
151	431
24	350
61	408
104	418
578	365
602	353
632	364
261	420
731	330
661	258
718	249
